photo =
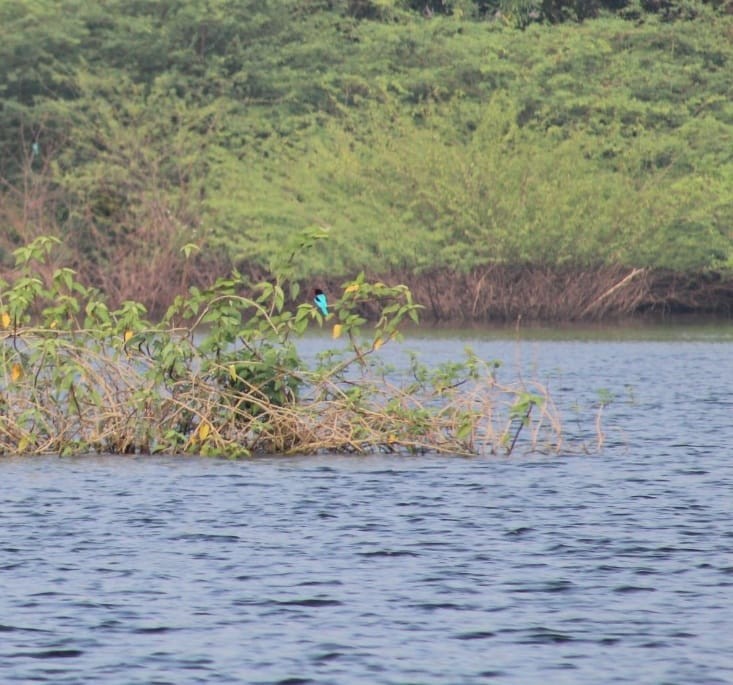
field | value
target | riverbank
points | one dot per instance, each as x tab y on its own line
540	294
490	294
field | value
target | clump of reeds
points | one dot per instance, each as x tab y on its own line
221	375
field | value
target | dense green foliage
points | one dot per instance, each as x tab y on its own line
447	133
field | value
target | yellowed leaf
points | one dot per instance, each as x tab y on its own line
16	372
338	329
203	430
5	319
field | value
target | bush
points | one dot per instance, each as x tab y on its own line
221	375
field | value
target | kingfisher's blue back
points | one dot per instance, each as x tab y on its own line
319	299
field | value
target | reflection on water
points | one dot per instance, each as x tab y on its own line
612	568
679	327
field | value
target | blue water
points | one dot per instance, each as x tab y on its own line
578	568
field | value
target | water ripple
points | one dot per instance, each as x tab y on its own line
602	569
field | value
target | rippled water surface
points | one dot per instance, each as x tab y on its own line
611	568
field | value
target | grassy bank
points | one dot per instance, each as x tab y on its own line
456	150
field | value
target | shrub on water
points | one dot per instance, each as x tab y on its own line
221	375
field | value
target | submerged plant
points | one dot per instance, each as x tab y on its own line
220	374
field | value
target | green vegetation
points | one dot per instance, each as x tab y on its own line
452	136
221	375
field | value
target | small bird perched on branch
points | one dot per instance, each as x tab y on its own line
319	299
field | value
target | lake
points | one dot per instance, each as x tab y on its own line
611	567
